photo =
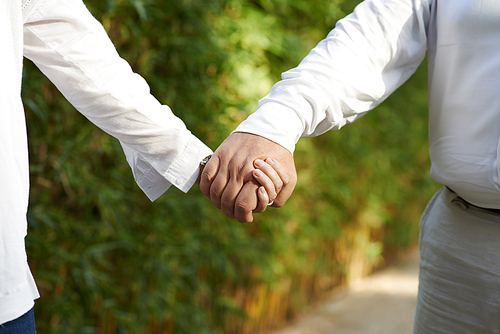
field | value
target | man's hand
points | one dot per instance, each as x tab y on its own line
225	178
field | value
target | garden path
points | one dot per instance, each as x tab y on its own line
383	303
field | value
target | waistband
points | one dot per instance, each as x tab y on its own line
457	198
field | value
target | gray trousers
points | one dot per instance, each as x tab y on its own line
459	281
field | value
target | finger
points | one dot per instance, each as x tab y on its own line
208	175
238	175
229	195
246	202
263	200
288	176
268	184
218	186
284	195
271	174
278	168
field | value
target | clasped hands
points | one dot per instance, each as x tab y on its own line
246	173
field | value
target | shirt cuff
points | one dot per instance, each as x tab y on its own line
184	172
275	122
152	184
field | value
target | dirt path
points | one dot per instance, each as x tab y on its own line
383	303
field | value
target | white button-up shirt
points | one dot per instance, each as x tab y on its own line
72	49
376	49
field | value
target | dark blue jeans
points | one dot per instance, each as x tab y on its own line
25	324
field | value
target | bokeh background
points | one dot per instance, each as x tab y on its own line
107	260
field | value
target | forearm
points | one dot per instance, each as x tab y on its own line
359	64
72	49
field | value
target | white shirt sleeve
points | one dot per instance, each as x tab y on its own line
73	50
368	55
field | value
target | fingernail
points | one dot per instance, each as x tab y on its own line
258	173
270	161
258	163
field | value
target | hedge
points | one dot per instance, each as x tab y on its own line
106	260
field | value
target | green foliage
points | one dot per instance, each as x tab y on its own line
106	260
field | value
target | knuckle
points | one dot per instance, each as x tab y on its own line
272	196
214	194
206	177
279	186
228	214
277	167
239	169
279	202
227	209
243	206
226	206
246	219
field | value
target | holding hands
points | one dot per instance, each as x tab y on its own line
244	176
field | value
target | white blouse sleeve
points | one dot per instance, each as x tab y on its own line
73	50
368	55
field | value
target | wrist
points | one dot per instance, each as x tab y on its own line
203	163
